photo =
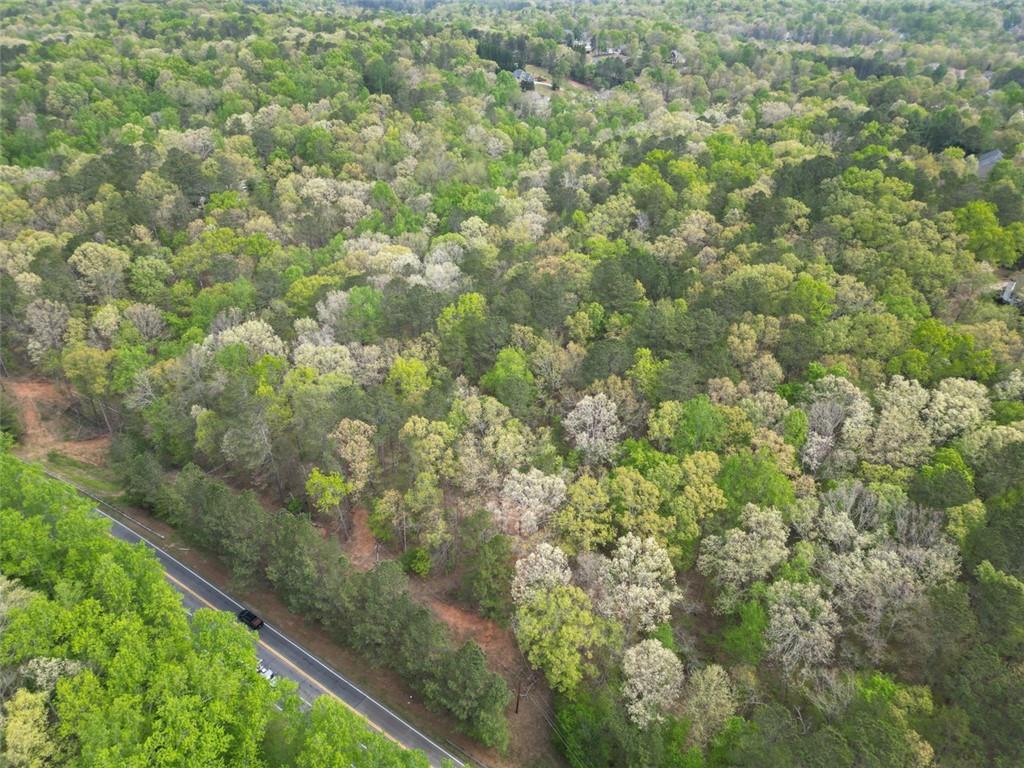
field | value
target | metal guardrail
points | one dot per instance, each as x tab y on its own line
468	759
101	502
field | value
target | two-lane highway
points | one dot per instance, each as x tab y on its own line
288	659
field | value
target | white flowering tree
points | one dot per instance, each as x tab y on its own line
354	445
840	420
101	268
708	702
594	427
47	321
545	567
956	406
875	590
527	499
743	555
652	681
901	438
255	335
640	584
802	626
147	319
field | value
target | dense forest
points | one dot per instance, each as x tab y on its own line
680	336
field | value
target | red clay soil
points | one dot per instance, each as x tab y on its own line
530	732
361	547
530	741
38	397
497	642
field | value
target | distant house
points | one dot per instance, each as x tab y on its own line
1011	295
987	160
524	78
1008	290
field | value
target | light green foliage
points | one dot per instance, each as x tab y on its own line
754	478
410	378
27	738
585	522
327	491
559	633
945	481
695	425
511	381
745	641
999	245
128	636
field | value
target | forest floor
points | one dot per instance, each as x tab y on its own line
54	437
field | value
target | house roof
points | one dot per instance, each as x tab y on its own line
986	160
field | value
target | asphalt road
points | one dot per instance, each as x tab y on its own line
288	659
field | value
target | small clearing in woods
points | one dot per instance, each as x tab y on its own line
361	547
436	592
45	414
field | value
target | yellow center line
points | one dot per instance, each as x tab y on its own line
305	675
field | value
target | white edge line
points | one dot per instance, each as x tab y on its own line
286	639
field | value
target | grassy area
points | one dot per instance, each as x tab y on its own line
100	481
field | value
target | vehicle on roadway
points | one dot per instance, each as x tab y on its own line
266	673
250	619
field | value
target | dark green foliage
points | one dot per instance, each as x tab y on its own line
416	561
774	737
594	731
371	612
999	603
464	686
991	692
511	382
10	420
944	482
998	541
488	578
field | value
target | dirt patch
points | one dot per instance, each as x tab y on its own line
45	409
361	547
529	727
496	641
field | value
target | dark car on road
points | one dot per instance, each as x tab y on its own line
250	619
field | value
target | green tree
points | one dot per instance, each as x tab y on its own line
946	481
511	382
488	578
559	633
